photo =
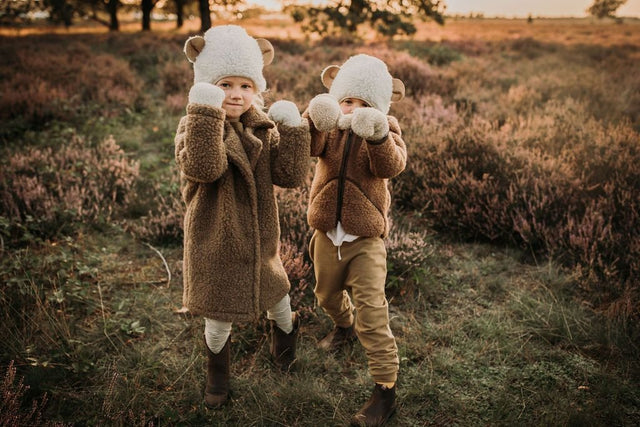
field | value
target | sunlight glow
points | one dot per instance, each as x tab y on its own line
503	8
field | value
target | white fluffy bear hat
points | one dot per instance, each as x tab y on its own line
228	50
366	78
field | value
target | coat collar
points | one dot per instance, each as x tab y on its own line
246	151
256	119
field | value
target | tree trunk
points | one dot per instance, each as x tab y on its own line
112	8
60	11
147	7
180	13
205	15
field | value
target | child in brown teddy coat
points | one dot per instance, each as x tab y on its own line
230	155
359	148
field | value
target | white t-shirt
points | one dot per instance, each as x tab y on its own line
338	236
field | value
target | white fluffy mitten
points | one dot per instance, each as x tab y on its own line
285	112
344	122
207	94
324	112
369	123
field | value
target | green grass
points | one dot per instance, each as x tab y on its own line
484	340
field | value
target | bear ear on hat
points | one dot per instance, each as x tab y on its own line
193	47
397	90
328	75
267	51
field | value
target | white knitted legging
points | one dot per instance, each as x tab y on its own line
217	332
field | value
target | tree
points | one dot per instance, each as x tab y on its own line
179	4
178	7
389	17
147	6
60	11
14	11
205	15
605	8
112	9
91	8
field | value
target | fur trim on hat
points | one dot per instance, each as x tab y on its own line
366	78
228	51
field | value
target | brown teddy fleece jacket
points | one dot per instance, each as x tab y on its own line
350	181
232	269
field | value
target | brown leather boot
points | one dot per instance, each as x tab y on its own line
283	345
337	339
378	409
216	392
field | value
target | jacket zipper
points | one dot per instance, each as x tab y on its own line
343	175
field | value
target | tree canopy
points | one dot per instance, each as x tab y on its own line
106	12
389	18
605	8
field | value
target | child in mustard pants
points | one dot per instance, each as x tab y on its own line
359	148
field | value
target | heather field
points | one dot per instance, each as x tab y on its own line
514	257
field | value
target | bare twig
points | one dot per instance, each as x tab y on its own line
164	261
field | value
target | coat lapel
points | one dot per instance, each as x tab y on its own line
236	152
246	159
254	120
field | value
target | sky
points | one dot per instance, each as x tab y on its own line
508	8
522	8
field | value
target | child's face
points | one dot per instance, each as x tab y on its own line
239	93
349	104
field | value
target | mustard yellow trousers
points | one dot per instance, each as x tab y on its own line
362	270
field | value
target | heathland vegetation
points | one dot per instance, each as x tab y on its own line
514	259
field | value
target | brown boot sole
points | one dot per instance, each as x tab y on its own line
215	401
356	422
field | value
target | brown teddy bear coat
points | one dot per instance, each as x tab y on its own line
354	173
232	269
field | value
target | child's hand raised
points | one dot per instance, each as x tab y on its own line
207	94
369	123
324	112
286	113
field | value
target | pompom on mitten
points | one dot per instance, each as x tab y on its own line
286	113
207	94
324	112
369	123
